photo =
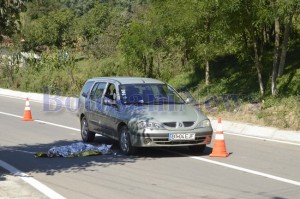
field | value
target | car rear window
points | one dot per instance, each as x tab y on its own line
86	88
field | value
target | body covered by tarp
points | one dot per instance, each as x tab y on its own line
75	150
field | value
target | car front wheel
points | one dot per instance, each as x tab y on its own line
124	141
86	134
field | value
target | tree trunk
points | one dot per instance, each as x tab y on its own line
207	78
151	67
145	64
207	26
284	46
275	57
258	66
158	64
245	43
72	77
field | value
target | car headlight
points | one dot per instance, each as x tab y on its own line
150	125
203	124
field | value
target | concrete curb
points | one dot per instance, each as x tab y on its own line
244	129
61	101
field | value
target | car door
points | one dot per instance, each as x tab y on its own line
84	99
96	96
110	112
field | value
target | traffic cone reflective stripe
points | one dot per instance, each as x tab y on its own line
27	105
27	112
219	126
219	148
219	137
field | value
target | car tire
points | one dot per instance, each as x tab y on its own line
197	148
125	142
86	134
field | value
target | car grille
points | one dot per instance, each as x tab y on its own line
165	141
188	124
170	124
185	124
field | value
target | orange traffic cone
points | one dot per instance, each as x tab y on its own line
219	149
27	113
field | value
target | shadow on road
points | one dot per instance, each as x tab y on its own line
22	157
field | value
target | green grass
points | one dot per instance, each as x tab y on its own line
235	87
234	84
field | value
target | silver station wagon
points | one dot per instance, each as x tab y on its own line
141	112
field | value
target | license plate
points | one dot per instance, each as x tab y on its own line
181	136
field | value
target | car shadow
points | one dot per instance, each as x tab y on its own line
23	157
153	152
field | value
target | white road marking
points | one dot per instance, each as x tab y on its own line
41	102
57	125
3	113
247	170
199	158
33	182
285	180
36	101
22	98
44	122
75	129
266	139
16	150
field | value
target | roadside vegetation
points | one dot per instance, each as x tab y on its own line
238	58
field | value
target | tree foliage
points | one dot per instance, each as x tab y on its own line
164	39
10	16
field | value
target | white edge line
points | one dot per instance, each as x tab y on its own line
293	182
203	159
36	101
57	125
3	113
247	170
75	129
23	98
261	138
44	122
33	182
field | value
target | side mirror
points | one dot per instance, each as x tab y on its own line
84	95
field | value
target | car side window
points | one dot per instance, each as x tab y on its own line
97	91
111	92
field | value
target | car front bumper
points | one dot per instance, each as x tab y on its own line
160	138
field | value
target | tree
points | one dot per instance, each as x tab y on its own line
54	29
276	49
80	7
212	38
10	16
249	22
198	29
283	13
288	9
141	43
39	8
8	66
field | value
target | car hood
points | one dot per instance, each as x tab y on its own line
165	113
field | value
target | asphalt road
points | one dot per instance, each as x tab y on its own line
254	169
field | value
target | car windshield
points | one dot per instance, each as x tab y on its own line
149	94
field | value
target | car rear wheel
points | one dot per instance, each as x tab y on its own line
86	134
125	142
197	148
